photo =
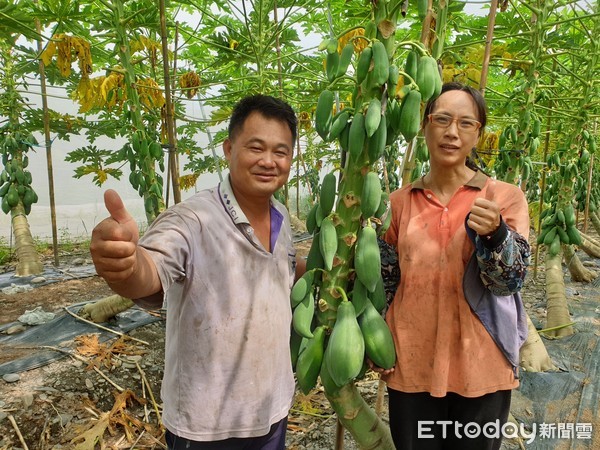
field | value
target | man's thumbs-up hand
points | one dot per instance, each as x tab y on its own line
485	212
114	241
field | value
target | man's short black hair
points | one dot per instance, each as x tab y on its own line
269	107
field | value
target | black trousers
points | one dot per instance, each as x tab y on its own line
421	422
273	440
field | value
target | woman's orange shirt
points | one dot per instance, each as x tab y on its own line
441	345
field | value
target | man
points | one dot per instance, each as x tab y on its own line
224	264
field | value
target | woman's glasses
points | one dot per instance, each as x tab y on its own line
464	124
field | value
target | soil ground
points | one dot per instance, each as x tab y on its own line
69	401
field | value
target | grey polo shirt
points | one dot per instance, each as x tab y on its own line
227	358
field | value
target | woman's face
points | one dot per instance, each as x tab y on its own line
453	129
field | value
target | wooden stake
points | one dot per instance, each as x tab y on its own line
14	424
488	46
339	435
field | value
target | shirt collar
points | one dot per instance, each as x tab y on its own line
478	181
230	202
239	218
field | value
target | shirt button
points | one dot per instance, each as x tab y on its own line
446	209
428	195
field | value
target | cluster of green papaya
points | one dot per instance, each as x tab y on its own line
558	227
143	146
359	332
359	329
525	138
148	183
581	195
15	180
421	158
376	120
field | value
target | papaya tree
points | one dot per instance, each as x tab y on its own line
337	303
559	228
16	142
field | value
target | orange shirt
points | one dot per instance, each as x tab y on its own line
441	345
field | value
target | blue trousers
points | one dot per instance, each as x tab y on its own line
273	440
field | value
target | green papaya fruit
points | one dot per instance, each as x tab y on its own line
328	191
328	242
345	350
379	344
410	119
303	315
371	195
309	360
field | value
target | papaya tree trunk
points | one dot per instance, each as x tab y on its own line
360	419
558	311
577	270
106	308
29	261
595	221
590	245
534	356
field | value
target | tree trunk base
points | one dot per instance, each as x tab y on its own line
106	308
576	269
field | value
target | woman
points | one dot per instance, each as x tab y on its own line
451	386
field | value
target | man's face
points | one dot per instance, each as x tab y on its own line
260	156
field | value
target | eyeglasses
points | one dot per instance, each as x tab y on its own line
463	124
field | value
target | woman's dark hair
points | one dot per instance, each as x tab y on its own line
481	116
475	95
269	107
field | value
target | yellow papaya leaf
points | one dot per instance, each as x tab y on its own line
93	435
186	182
304	121
48	53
